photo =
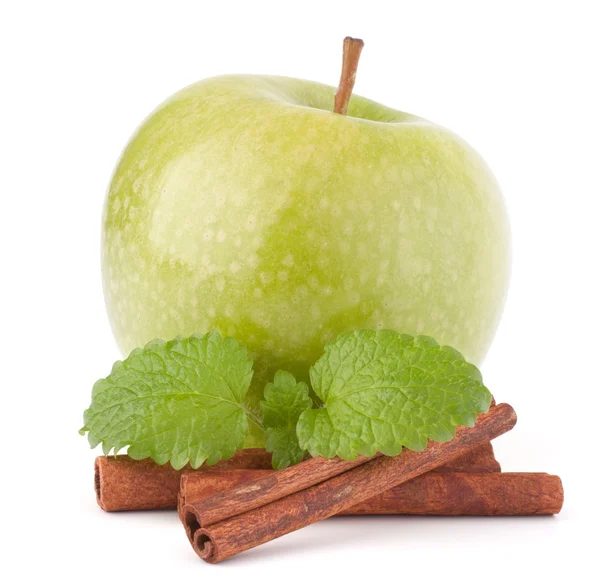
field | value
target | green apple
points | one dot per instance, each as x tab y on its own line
244	204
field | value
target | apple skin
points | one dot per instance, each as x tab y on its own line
244	204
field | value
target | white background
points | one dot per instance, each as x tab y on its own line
518	80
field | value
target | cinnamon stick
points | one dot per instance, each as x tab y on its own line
123	484
468	494
434	493
481	459
216	538
277	485
199	485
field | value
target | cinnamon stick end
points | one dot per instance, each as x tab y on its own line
558	498
205	547
191	522
98	482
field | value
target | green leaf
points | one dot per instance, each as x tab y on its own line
384	390
284	401
178	401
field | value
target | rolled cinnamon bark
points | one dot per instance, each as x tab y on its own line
194	487
216	538
123	484
469	494
434	493
478	460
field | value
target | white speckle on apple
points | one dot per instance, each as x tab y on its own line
288	261
251	223
258	293
283	275
313	282
323	261
221	236
220	284
420	172
366	206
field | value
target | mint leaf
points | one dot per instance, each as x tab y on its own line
178	401
284	401
384	390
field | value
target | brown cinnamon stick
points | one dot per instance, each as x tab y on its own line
123	484
481	459
434	493
277	485
215	538
469	494
199	485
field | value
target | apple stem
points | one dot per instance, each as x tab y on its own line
352	50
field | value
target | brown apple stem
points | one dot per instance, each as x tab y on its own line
352	50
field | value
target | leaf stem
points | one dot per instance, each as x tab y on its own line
254	418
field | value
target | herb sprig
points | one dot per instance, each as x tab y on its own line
182	401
